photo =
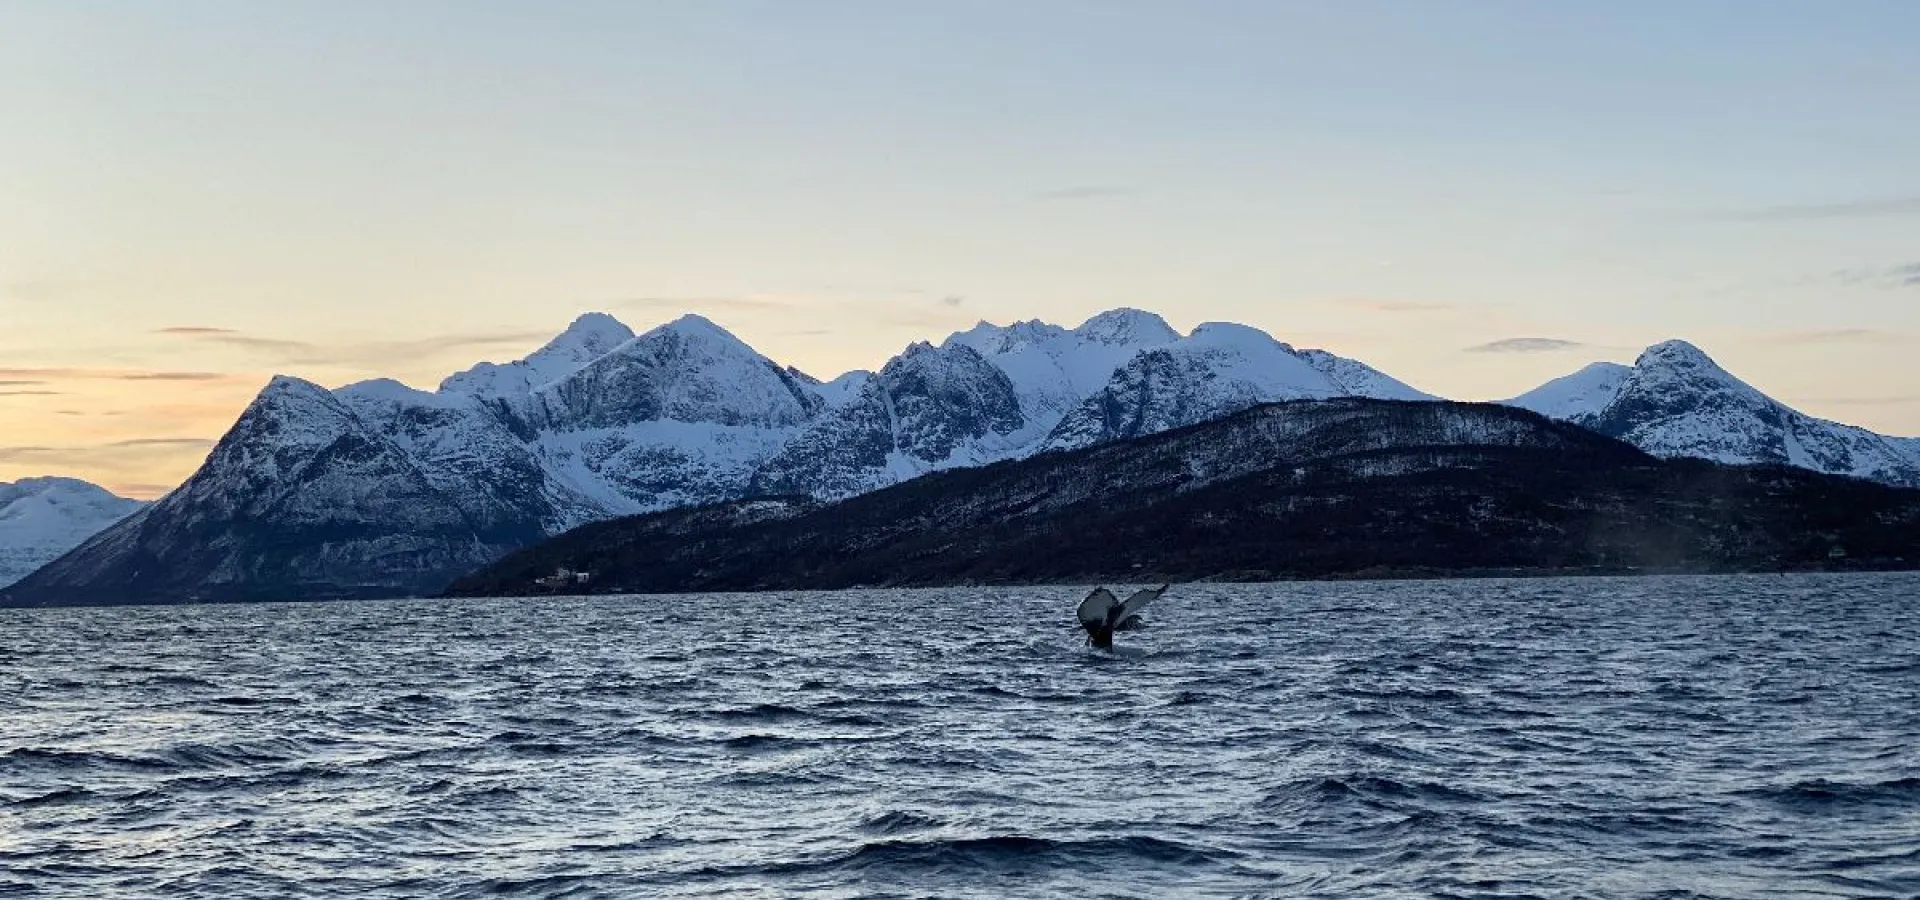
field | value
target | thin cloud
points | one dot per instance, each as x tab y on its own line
193	330
1902	205
175	376
1901	276
192	443
48	375
1526	345
233	338
109	454
140	490
32	393
1836	336
1084	192
285	352
22	383
952	300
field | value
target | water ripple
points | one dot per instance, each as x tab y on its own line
1658	738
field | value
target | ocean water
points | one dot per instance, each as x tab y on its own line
1662	737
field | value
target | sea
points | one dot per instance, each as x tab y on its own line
1688	737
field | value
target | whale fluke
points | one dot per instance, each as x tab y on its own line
1101	613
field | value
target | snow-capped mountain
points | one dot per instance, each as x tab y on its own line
1675	401
302	498
1571	396
1220	368
929	408
377	487
1910	447
41	518
589	337
1053	369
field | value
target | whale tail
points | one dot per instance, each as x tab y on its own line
1101	614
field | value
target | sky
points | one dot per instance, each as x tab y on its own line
1472	195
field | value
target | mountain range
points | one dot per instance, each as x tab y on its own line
42	518
377	488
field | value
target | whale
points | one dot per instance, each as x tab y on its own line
1102	614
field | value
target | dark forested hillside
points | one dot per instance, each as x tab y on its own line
1305	489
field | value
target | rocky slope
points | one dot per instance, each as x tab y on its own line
1675	402
1219	369
1300	489
42	518
928	409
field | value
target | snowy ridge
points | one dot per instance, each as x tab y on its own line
1358	379
688	370
42	518
928	409
1582	393
1909	447
1054	369
1219	369
590	337
1675	401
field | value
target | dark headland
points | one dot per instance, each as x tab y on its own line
1308	489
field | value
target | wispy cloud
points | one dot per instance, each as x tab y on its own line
176	443
104	455
31	393
1836	336
233	338
194	330
49	375
1526	345
22	383
1901	276
1874	207
1084	192
285	352
952	300
139	490
175	376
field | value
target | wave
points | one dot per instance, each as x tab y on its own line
1822	795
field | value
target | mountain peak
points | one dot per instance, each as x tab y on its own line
1126	325
41	484
593	332
693	326
1233	334
589	337
290	386
1582	393
989	338
1675	353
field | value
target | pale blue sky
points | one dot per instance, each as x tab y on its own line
358	188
